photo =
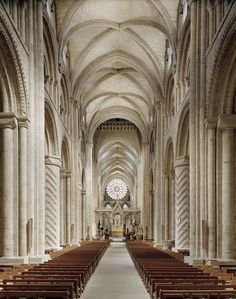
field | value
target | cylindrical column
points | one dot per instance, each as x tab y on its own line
166	207
172	203
23	130
62	208
39	131
52	202
83	215
7	184
211	191
228	232
68	209
182	203
192	128
211	20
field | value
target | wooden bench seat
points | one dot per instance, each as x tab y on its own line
157	281
50	272
173	277
37	286
177	294
48	281
35	294
195	287
40	277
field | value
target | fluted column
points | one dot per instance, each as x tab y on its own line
7	124
23	159
182	203
211	188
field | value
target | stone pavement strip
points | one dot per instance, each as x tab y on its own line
115	277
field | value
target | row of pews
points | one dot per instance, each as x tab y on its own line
166	277
63	277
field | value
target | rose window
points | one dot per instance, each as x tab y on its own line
116	189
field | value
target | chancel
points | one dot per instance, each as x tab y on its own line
117	132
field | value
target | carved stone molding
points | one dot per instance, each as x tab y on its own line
14	57
53	160
8	120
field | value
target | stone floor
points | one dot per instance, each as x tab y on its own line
115	277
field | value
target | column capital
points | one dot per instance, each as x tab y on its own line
23	122
68	174
227	122
8	120
210	124
181	161
53	160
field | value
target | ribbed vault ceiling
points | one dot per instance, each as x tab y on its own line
117	56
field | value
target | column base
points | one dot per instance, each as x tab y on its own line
39	259
221	262
194	261
14	260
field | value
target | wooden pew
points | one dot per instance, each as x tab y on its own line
159	271
37	286
196	287
180	280
49	281
177	294
35	294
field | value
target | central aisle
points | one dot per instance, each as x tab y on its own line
115	277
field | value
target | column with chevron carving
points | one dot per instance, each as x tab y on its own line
52	203
182	203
